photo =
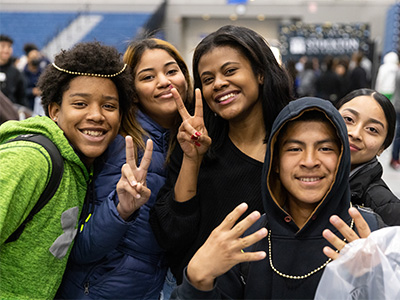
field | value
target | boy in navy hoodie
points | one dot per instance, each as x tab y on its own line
305	191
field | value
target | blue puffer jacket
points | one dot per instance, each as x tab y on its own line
112	258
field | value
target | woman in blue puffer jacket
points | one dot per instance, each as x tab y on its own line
116	258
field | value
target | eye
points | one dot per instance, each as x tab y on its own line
110	107
147	77
230	71
293	149
79	104
373	130
207	80
348	120
172	72
325	149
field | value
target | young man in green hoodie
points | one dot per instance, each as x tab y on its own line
85	92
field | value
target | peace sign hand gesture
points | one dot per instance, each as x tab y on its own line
192	135
131	188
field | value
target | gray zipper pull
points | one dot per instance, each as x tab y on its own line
86	286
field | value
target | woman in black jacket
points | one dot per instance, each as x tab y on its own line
370	119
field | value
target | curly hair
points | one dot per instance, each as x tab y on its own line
90	57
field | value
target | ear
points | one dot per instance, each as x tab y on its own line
260	79
54	111
380	151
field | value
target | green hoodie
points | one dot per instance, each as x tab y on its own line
32	267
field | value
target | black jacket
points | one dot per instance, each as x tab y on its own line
292	251
12	83
369	190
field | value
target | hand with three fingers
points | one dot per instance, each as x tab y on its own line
192	135
131	188
223	249
348	233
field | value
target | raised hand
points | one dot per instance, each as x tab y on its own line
131	188
223	249
192	135
350	235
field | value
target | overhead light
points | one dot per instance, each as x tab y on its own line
233	17
241	9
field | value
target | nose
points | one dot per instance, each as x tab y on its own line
354	131
95	113
310	159
220	82
163	81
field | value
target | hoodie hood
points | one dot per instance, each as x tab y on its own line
336	200
391	58
44	126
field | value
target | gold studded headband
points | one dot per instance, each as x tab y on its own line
89	74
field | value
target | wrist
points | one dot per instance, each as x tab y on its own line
199	279
122	213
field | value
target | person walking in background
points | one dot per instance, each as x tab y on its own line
358	75
85	93
12	82
307	80
395	161
328	83
386	78
370	119
342	71
109	241
32	71
243	89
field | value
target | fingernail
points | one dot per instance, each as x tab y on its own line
137	196
197	144
197	133
194	138
134	183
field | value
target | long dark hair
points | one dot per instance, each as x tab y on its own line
132	58
274	92
383	101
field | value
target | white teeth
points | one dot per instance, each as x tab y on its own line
93	132
226	97
309	179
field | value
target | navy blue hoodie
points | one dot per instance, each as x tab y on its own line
293	251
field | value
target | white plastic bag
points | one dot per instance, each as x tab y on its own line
366	269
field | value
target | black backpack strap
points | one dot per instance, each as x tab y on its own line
54	181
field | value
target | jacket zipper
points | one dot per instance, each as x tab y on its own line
86	286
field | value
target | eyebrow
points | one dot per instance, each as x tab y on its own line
172	62
85	95
294	141
223	66
371	120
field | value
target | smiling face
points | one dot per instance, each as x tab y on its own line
229	85
154	74
6	50
89	115
366	126
308	158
